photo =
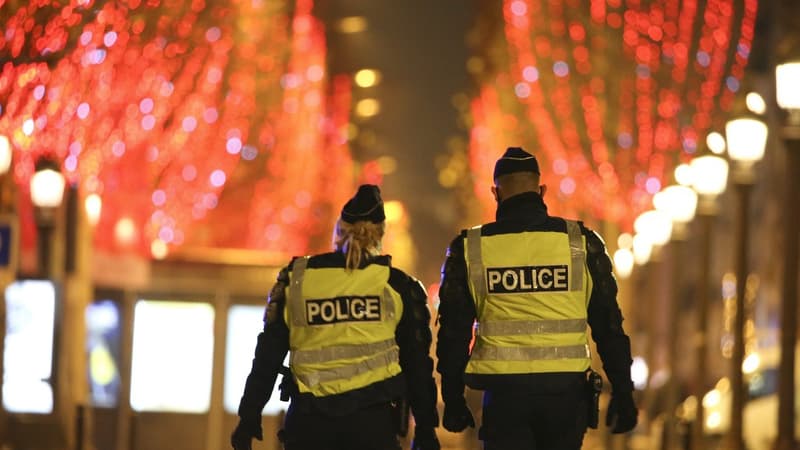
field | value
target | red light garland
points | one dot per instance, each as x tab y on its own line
298	175
612	100
166	108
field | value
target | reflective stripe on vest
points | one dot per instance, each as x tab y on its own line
494	353
476	272
341	327
375	362
519	331
577	253
296	290
511	327
340	352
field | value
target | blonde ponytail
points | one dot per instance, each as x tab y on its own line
357	240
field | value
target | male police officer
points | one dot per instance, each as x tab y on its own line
532	282
359	334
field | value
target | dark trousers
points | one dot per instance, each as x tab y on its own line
534	421
371	428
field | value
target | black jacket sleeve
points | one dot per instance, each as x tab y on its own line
456	318
271	349
605	317
413	336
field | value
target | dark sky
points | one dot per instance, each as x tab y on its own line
419	47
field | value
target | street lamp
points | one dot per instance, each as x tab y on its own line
655	225
679	204
6	191
746	139
47	190
5	154
708	176
93	205
623	262
788	96
6	205
652	229
642	249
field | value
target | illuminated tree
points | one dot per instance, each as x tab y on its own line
171	109
610	95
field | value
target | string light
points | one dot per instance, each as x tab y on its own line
184	101
608	93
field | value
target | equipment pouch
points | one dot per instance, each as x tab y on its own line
594	385
287	386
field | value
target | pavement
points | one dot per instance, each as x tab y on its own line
594	440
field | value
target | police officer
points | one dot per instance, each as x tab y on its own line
530	283
358	333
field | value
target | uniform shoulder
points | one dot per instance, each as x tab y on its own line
457	244
594	242
320	260
397	278
324	260
293	261
283	273
585	230
409	287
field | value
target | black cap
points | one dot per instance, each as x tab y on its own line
515	159
366	206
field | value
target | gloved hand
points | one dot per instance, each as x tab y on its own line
622	413
425	439
457	416
242	436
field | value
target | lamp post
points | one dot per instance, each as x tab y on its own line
679	204
6	154
655	225
47	190
47	186
6	206
788	96
641	250
746	139
708	177
653	229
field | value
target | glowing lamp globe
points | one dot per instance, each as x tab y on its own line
709	174
787	87
47	185
746	139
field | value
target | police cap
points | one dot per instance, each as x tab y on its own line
366	206
515	159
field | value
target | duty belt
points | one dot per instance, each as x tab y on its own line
495	353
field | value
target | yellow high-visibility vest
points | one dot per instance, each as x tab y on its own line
531	293
341	327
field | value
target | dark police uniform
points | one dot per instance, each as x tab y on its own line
530	282
358	342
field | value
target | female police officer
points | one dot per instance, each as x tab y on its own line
533	282
358	332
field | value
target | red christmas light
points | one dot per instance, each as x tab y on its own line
610	98
170	110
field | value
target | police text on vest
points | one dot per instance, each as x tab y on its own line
506	280
343	309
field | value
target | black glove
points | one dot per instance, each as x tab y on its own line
622	412
242	436
425	439
457	416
